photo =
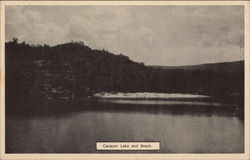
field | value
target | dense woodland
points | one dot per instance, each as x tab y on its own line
73	71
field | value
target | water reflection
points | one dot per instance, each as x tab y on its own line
179	128
159	102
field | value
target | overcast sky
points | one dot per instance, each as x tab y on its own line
155	35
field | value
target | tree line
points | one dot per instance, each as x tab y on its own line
75	72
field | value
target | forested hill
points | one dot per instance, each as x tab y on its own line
74	71
236	66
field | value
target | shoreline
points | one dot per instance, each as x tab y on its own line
148	96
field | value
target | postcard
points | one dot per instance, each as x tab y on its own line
125	80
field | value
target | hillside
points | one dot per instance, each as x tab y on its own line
231	67
73	71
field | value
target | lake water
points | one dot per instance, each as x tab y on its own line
181	128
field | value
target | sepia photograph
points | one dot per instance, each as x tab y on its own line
124	79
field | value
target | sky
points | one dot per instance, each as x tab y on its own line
155	35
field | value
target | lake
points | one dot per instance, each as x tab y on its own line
204	127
